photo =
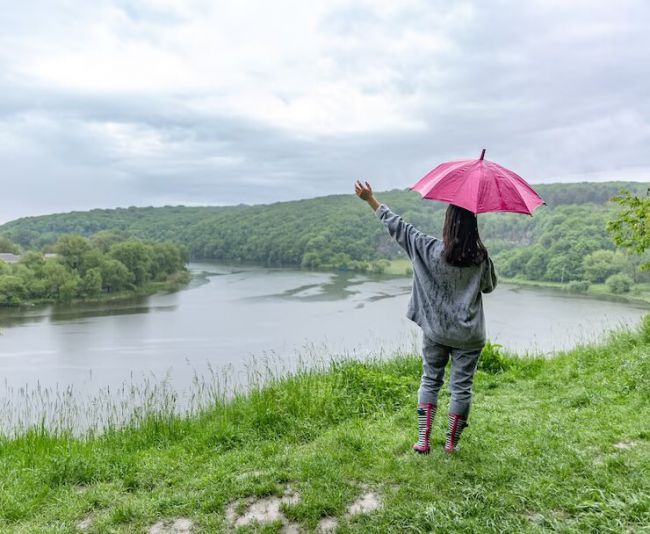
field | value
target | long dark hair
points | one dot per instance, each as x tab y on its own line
463	246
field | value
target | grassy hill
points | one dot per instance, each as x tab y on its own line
281	233
565	243
554	445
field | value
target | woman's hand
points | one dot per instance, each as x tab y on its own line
364	192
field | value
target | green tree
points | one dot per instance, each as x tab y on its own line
136	256
33	260
535	267
31	273
60	283
513	262
91	283
310	260
81	269
601	264
7	246
24	272
71	250
166	259
12	290
105	239
115	275
619	283
564	267
92	259
630	228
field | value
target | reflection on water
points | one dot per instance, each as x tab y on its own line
227	316
62	313
339	286
11	317
70	314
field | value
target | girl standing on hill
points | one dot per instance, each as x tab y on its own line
449	276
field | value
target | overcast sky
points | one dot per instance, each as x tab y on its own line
152	102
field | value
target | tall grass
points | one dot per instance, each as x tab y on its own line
140	401
554	445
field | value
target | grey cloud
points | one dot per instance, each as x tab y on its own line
546	100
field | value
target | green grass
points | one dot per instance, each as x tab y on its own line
539	456
401	267
639	293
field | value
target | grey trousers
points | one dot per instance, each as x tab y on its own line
463	367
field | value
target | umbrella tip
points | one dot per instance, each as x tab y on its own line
482	154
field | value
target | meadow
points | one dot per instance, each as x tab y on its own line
553	445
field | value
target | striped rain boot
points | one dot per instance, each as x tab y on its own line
426	413
456	426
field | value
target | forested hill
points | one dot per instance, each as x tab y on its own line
340	231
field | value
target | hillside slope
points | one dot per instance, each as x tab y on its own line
554	445
339	232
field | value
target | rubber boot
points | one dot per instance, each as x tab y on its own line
426	413
456	425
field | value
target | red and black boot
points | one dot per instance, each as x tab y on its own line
456	425
426	413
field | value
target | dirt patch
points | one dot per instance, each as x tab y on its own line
625	445
366	503
85	523
266	510
560	515
536	518
291	528
182	525
327	525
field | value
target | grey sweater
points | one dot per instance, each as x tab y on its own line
445	300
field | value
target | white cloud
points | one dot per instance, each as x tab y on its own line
151	101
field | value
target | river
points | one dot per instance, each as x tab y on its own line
234	316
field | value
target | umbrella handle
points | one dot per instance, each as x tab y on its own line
482	155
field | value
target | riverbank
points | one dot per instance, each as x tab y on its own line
638	294
174	282
559	444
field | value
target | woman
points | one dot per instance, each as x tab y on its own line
449	277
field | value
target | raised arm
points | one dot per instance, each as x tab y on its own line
405	234
364	192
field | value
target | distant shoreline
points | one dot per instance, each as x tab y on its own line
175	282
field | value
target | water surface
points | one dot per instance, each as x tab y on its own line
236	314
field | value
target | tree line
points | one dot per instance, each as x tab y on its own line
566	241
83	268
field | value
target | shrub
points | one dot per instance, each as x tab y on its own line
12	290
379	266
619	283
492	360
578	286
645	328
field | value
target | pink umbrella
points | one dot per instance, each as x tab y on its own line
479	186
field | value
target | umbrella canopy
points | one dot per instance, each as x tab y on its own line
479	186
